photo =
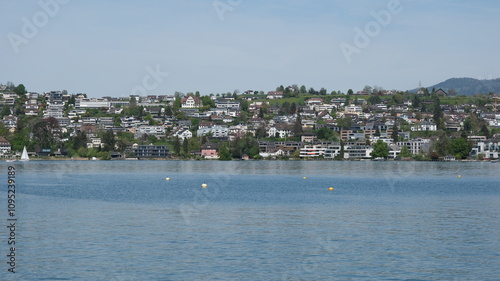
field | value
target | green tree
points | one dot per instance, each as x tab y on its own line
324	134
350	92
108	139
297	127
260	132
340	156
224	153
185	146
5	111
438	114
471	123
194	144
441	146
151	138
380	149
4	132
20	90
416	101
374	100
79	141
46	132
397	98
293	108
103	155
72	100
405	152
208	102
485	131
460	148
168	111
395	133
345	123
177	101
261	112
303	89
177	146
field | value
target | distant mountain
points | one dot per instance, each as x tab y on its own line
468	86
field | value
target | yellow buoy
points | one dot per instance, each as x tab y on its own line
204	185
304	178
331	189
459	176
167	179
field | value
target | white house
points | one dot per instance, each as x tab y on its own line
94	143
489	150
183	133
274	95
91	103
151	130
216	131
424	126
5	146
191	102
280	131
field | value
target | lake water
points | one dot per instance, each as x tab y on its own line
256	220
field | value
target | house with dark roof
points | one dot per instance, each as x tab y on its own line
5	146
191	102
210	151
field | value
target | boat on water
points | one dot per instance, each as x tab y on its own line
24	155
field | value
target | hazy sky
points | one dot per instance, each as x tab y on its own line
117	48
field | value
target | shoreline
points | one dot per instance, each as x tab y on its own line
238	160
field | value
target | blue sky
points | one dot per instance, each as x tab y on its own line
110	48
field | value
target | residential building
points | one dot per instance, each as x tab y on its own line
488	150
314	101
210	151
275	95
85	103
151	130
191	102
325	149
424	126
216	131
31	107
357	151
95	143
308	138
286	147
279	131
226	103
5	146
55	110
150	151
353	109
10	121
183	133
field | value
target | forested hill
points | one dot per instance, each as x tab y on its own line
468	86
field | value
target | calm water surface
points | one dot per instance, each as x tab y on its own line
97	220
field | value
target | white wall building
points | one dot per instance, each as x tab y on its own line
216	131
91	103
